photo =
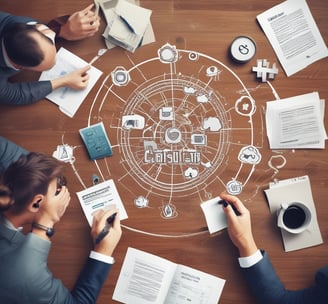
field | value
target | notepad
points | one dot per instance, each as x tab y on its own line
67	99
101	196
96	141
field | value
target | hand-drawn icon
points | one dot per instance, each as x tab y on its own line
168	211
212	123
249	155
120	76
166	113
191	173
141	202
234	187
264	71
173	135
168	53
134	121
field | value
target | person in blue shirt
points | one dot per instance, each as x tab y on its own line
257	268
26	44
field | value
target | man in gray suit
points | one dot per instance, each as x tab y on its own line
27	44
257	268
33	192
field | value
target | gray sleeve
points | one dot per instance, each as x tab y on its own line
9	152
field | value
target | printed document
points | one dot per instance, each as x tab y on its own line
146	278
67	99
296	122
100	196
293	34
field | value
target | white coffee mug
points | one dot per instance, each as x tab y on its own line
294	217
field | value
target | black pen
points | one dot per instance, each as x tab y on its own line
225	204
105	231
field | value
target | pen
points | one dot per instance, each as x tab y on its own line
105	231
225	204
127	24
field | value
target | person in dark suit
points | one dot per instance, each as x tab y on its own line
257	268
33	192
27	44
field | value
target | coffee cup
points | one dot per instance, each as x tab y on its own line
294	217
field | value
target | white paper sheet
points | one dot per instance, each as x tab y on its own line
214	215
67	99
293	34
296	122
103	195
149	279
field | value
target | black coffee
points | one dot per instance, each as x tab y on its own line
294	217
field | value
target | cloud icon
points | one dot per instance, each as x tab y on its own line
249	155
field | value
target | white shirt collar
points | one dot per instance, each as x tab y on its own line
6	58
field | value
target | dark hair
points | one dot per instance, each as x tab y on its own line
20	45
30	175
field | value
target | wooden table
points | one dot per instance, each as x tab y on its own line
207	27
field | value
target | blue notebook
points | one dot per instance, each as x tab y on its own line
96	141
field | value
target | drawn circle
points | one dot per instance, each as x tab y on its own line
177	131
175	153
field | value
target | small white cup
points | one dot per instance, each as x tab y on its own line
294	217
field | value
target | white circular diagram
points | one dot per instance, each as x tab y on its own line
180	135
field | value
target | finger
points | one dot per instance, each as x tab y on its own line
235	201
84	69
87	9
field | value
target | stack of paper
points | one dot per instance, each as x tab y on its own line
127	24
296	122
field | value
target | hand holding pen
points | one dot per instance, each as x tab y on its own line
239	224
106	230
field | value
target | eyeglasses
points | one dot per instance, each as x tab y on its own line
61	181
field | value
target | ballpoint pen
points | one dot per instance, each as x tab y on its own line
225	204
105	231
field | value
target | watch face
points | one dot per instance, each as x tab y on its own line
50	232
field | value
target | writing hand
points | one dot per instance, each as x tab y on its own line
239	225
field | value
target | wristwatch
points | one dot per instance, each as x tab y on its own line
49	231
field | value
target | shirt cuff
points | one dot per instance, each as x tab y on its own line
251	260
101	257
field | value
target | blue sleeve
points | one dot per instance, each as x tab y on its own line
90	281
9	152
23	93
8	19
267	287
